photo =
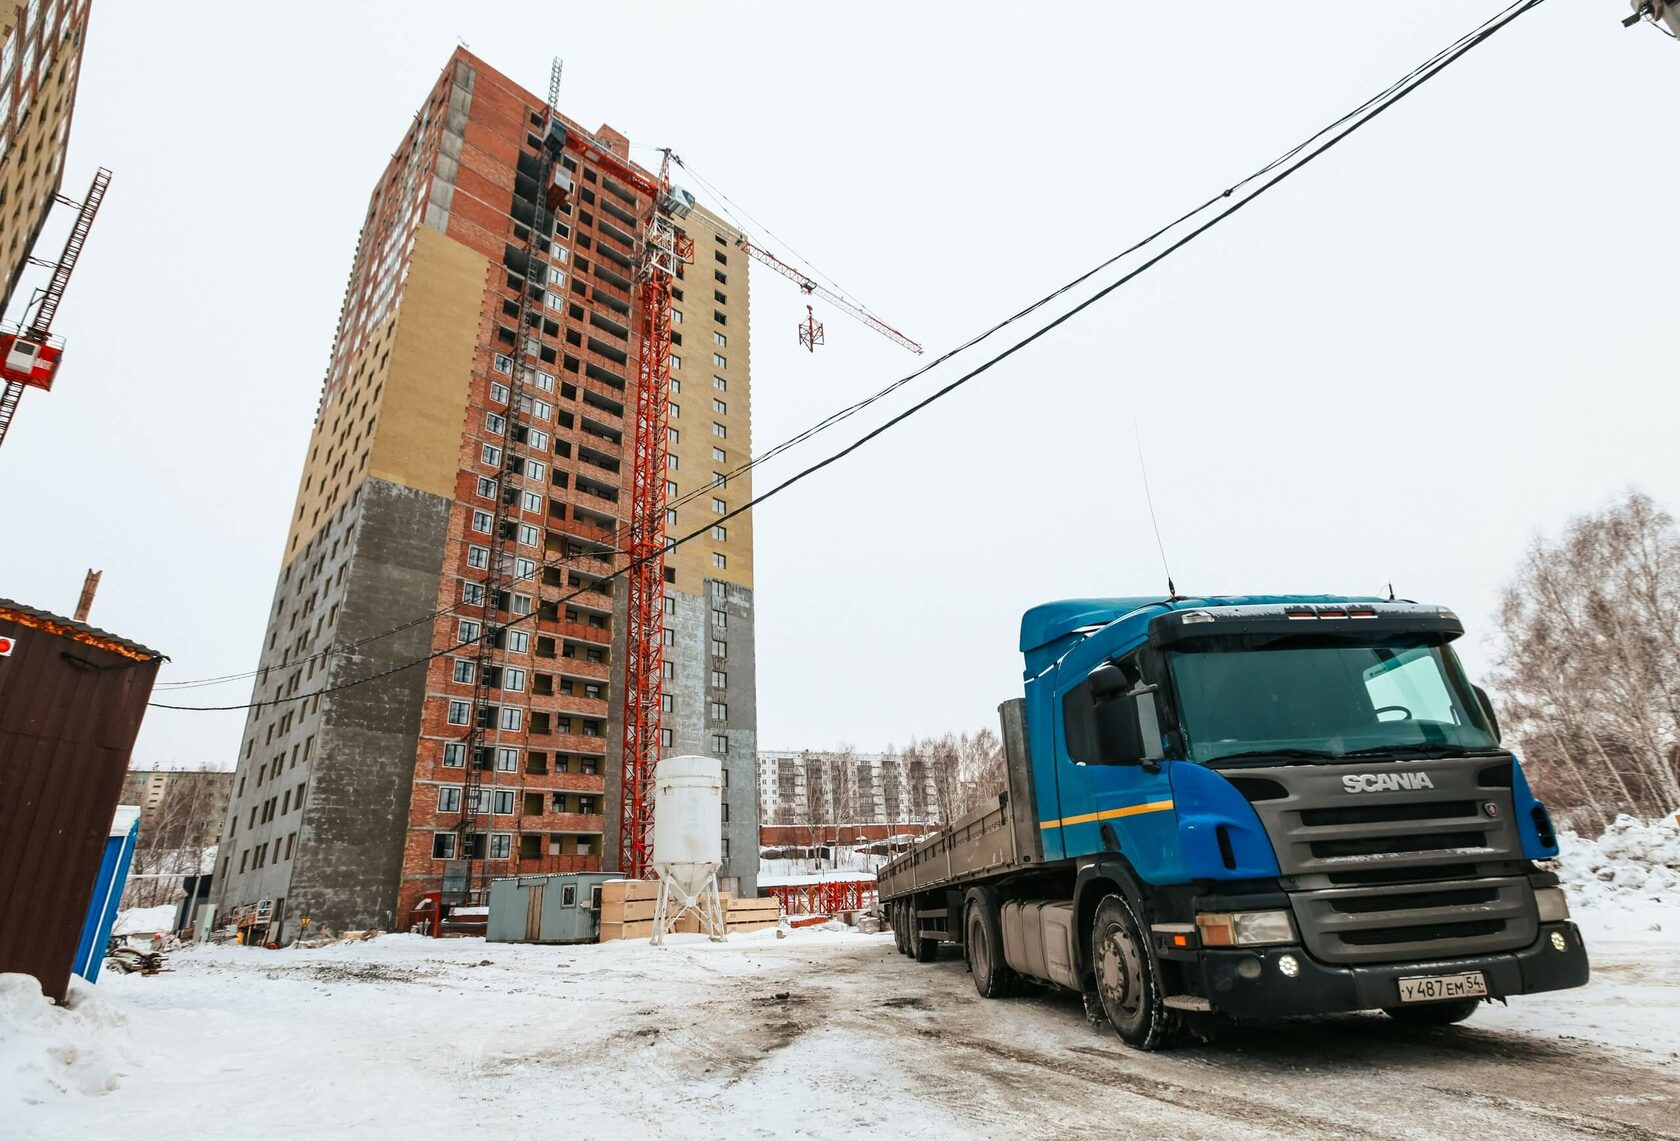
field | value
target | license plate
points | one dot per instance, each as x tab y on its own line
1435	988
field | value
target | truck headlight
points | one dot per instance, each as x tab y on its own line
1554	905
1245	928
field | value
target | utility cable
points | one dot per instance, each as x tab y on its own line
1353	121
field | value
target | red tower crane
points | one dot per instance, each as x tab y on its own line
810	331
30	359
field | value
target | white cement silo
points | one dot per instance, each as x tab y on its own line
688	842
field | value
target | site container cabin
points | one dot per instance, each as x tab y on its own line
71	701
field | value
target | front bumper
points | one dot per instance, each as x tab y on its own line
1318	988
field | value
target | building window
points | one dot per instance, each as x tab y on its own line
720	561
501	843
535	471
465	670
507	760
503	363
676	410
443	845
719	507
718	455
522	604
513	680
454	756
481	522
502	802
721	408
726	812
670	636
538	440
719	361
676	316
720	649
720	711
721	341
672	461
670	671
449	799
529	536
478	557
490	455
720	533
512	718
670	518
498	392
675	386
720	743
720	384
720	431
494	423
670	489
671	437
667	703
720	680
486	487
725	851
720	620
459	711
525	569
472	593
676	362
665	738
670	604
518	641
545	381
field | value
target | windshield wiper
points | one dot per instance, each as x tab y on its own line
1441	749
1304	754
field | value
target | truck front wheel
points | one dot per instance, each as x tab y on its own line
1127	984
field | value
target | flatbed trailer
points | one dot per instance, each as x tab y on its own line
1246	807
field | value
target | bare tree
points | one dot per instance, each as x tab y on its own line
1590	665
174	840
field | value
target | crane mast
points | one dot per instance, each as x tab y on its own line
664	249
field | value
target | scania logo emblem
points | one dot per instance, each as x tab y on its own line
1385	782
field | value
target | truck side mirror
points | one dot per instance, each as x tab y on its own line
1487	711
1129	727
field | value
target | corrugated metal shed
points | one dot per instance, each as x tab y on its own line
71	701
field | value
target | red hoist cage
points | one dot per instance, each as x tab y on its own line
29	359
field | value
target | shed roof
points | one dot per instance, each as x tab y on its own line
44	620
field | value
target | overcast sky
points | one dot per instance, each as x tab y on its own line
1454	331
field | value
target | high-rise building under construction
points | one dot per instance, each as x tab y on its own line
464	505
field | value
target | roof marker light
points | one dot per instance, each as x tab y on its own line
1195	617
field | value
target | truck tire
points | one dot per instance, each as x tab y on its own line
1434	1013
983	946
1127	982
901	927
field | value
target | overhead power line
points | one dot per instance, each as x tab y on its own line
1287	164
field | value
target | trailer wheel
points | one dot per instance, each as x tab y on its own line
1127	983
984	946
1434	1013
901	927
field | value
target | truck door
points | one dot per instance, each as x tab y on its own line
1108	800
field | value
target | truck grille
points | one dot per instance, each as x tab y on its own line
1399	921
1392	876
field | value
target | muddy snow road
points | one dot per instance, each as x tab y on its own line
817	1035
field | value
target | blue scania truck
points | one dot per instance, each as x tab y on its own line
1248	807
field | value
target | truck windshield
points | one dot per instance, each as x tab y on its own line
1323	699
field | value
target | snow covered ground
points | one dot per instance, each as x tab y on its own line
820	1034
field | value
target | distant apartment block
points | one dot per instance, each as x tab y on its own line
813	787
471	283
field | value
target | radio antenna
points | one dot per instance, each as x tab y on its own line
1172	591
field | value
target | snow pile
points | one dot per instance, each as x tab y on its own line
145	920
48	1052
1631	864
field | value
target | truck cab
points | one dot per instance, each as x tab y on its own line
1251	806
